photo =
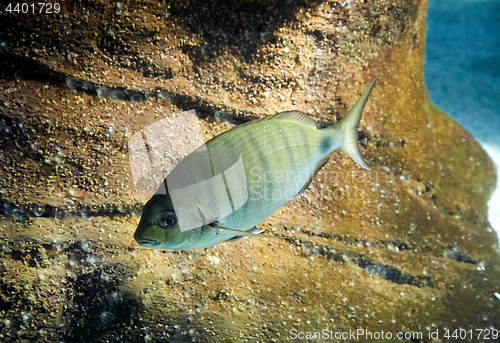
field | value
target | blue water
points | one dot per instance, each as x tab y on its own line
462	72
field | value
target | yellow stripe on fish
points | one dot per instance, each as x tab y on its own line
279	155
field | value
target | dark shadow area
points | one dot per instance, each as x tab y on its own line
455	254
93	303
85	27
386	272
395	275
99	307
241	27
20	67
244	27
89	29
30	210
91	307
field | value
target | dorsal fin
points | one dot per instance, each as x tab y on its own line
238	126
291	115
294	115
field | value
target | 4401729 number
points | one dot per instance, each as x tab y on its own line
483	334
41	7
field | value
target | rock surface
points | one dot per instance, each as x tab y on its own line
406	247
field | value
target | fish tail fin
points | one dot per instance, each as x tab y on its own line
347	128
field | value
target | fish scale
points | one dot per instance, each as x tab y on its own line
268	147
280	155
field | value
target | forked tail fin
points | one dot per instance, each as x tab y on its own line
347	128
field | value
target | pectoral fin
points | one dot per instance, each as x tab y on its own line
239	238
244	233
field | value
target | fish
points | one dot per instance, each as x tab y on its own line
278	157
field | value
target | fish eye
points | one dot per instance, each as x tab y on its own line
168	219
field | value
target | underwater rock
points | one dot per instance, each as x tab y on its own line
405	247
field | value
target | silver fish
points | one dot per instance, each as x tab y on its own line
280	155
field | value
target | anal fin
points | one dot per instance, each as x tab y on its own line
320	165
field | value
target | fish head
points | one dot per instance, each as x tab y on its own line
158	227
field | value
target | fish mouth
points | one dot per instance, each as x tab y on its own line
148	242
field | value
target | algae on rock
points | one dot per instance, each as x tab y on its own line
406	247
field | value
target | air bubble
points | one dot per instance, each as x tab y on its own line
38	211
84	246
18	214
101	92
107	317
